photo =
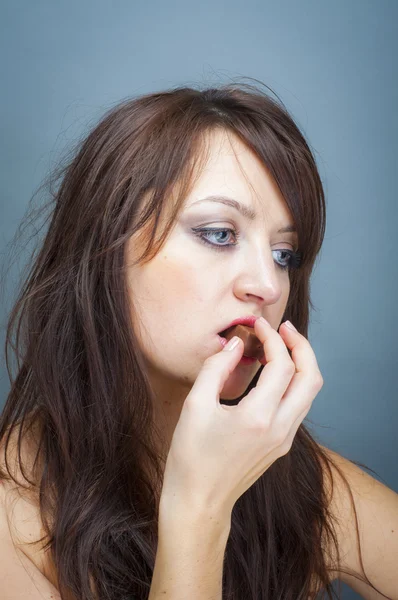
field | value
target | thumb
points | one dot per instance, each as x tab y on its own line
216	370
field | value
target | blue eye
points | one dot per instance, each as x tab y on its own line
202	233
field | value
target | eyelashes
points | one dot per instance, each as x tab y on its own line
203	233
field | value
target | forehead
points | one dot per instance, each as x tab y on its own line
233	169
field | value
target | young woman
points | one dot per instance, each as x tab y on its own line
142	457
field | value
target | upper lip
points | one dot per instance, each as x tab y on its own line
248	320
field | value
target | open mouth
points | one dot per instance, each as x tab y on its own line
253	347
226	331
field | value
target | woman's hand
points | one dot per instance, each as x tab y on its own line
217	452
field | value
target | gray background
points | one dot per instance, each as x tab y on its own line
333	64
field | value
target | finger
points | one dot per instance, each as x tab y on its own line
307	380
293	429
302	353
276	374
289	439
298	400
215	372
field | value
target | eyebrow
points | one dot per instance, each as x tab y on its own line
247	212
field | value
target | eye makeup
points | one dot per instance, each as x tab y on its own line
203	233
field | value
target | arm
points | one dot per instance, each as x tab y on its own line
190	554
377	510
19	576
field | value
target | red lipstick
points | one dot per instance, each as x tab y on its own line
249	321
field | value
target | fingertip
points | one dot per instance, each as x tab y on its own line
290	326
261	321
232	344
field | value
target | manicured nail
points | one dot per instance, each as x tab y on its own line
289	324
232	343
263	320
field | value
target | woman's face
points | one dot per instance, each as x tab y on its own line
191	290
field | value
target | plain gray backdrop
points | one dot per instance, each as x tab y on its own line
334	65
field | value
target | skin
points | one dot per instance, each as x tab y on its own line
189	292
183	297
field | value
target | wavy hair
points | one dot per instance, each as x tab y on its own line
81	386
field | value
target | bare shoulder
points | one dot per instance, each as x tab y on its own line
21	527
372	507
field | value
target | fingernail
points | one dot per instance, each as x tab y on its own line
232	343
263	320
289	324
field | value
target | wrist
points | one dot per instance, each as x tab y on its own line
183	514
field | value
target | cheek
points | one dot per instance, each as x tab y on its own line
182	279
283	301
286	292
170	302
168	292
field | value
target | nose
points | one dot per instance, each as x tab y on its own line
260	277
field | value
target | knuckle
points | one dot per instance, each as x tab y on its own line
285	447
260	424
307	407
280	437
317	381
264	425
288	368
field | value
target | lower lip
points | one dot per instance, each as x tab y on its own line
247	360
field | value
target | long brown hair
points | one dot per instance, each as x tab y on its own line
81	383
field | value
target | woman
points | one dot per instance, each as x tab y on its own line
156	463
